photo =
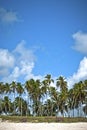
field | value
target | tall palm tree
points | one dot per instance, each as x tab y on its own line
34	94
7	103
54	94
20	91
8	92
38	93
80	96
72	100
28	88
47	84
62	84
13	89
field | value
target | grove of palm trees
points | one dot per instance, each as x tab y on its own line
40	98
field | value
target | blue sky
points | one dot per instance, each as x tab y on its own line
39	37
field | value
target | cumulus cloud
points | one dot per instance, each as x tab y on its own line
23	53
80	45
80	39
24	62
8	16
6	58
6	61
81	73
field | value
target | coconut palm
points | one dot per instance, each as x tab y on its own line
20	91
47	84
28	88
80	96
62	84
55	100
71	101
39	96
36	96
8	92
49	79
7	89
6	104
18	106
13	90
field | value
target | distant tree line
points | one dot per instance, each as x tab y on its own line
40	98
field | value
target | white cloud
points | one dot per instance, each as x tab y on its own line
6	61
12	76
6	58
80	45
81	73
31	75
24	62
80	42
8	16
23	53
26	67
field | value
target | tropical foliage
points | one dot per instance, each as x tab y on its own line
40	98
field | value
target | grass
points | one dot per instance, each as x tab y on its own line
42	119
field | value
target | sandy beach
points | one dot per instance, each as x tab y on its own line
42	126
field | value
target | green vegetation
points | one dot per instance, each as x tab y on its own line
42	119
39	101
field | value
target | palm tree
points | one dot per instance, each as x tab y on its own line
24	108
43	94
71	100
6	102
62	83
48	107
38	94
18	106
13	89
54	95
80	96
27	87
20	91
7	89
49	79
7	92
47	84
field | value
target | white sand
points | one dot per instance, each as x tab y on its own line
42	126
